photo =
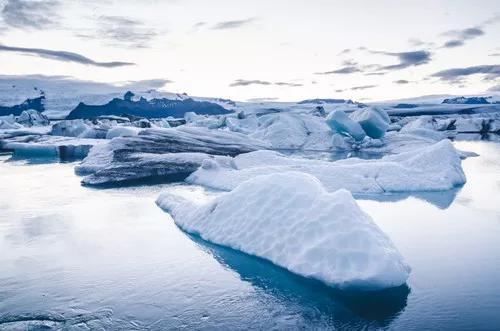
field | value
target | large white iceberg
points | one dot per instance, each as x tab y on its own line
430	168
291	220
295	131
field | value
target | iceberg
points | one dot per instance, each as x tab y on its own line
122	131
431	168
291	220
294	132
9	123
64	148
170	153
32	117
210	122
374	121
70	128
339	122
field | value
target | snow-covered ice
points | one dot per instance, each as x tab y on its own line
430	168
295	131
122	131
290	219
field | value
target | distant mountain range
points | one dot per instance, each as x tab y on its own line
154	108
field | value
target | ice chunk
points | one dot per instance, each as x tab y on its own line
291	220
70	128
341	123
430	168
9	123
470	125
210	122
294	131
32	117
172	153
52	146
245	124
374	121
122	131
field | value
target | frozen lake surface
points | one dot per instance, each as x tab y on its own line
72	257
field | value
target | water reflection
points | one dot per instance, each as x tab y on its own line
440	199
317	301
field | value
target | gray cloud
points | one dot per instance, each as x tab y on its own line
232	24
29	14
244	82
344	70
147	84
401	81
460	36
494	88
121	31
453	43
454	74
420	43
406	59
362	87
376	73
288	84
199	25
262	99
356	88
62	56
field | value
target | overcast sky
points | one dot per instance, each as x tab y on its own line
276	49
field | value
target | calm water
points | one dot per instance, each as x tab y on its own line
78	258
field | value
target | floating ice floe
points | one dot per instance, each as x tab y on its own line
32	117
173	153
341	123
71	128
210	122
374	121
9	123
290	219
295	131
122	131
430	168
51	146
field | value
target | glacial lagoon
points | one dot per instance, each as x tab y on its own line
73	257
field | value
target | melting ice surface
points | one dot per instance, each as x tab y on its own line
74	257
